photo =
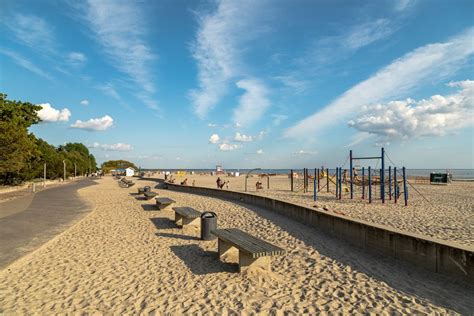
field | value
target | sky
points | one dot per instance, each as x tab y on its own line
244	84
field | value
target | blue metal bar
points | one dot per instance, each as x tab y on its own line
390	182
395	184
337	182
405	188
382	177
363	183
351	174
315	188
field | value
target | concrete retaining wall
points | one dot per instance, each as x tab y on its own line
429	253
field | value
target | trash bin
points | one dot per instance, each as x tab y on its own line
208	223
147	189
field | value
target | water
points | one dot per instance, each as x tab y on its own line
457	173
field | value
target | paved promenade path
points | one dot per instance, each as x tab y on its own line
28	222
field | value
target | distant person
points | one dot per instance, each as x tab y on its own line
218	182
194	182
227	184
258	186
184	182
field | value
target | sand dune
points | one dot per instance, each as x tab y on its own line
125	257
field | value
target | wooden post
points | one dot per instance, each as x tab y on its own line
370	186
337	182
268	182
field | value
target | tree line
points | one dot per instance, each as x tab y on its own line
23	155
117	164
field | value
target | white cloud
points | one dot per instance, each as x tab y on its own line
84	102
50	114
242	137
25	63
290	81
76	59
112	147
228	147
32	31
211	125
216	50
401	120
214	139
253	103
98	124
367	33
260	152
401	5
433	62
119	28
305	153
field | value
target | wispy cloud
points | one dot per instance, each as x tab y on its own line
25	63
84	102
433	61
97	124
228	146
112	147
76	59
253	103
302	152
109	90
32	31
407	119
118	27
50	114
217	50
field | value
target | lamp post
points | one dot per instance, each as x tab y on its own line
75	168
64	169
248	174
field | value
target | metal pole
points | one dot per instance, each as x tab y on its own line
44	176
405	188
382	177
64	169
318	179
315	184
268	182
337	182
395	184
390	183
363	183
350	174
340	183
370	186
327	180
291	180
75	168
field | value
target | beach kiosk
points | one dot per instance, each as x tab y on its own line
219	170
440	178
129	172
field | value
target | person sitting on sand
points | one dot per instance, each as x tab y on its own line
184	182
258	186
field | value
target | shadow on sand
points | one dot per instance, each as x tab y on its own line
163	223
202	262
436	288
177	236
149	207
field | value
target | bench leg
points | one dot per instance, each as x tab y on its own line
246	261
191	222
177	218
223	247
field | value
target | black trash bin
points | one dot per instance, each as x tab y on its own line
208	223
147	189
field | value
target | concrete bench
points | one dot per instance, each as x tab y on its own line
253	252
187	216
149	195
124	183
162	203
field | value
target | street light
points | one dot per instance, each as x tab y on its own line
64	165
75	171
248	174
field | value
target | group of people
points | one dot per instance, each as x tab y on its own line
220	183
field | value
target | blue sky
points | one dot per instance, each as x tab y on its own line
273	84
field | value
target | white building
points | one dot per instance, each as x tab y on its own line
129	172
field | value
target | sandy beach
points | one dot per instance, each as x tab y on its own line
126	257
444	212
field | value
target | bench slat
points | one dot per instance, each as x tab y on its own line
248	243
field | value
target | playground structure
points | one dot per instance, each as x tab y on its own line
355	180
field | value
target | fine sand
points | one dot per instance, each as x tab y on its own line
444	212
126	257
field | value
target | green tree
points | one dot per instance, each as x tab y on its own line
20	113
117	164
